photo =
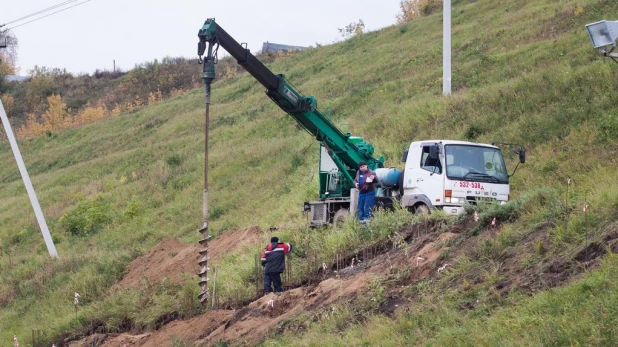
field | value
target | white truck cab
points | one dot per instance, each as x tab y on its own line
445	174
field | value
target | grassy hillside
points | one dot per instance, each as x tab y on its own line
524	71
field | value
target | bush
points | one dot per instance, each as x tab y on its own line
608	127
87	218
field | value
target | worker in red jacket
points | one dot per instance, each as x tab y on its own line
273	261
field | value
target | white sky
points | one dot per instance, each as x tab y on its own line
92	35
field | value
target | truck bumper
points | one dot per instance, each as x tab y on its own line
453	210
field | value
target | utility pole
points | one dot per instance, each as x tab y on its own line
446	49
51	248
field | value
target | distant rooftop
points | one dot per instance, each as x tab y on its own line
12	78
269	47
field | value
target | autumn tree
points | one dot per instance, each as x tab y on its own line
43	83
412	9
57	115
8	56
8	101
352	29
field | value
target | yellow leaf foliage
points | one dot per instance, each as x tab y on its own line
6	68
7	100
155	97
228	71
117	110
57	116
177	92
412	9
31	128
90	115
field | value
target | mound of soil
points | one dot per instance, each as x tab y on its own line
171	259
174	333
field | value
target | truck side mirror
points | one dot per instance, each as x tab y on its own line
433	152
404	158
522	155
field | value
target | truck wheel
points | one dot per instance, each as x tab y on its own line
340	217
421	209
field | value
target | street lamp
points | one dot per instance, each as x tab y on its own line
603	34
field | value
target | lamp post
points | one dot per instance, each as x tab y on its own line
603	34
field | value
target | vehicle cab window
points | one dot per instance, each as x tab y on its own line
430	164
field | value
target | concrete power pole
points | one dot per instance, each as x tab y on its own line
51	248
446	49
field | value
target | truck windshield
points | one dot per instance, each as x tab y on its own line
475	163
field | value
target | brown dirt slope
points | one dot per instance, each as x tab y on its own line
423	254
251	324
187	331
171	259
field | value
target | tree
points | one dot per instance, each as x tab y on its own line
8	56
8	53
412	9
57	115
352	29
42	84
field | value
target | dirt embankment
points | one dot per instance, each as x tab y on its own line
250	324
425	254
172	260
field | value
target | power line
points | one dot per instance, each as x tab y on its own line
64	9
39	12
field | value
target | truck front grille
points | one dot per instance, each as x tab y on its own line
474	200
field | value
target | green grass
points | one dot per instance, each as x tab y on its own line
583	313
523	72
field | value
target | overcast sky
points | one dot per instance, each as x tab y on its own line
91	36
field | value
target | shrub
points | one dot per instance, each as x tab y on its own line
608	127
90	115
154	97
87	218
31	128
7	101
132	210
173	160
57	117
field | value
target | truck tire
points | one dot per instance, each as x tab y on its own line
340	217
421	209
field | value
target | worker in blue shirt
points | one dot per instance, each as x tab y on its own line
365	182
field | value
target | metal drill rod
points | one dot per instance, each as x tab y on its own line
203	262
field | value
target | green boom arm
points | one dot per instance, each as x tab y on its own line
346	151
